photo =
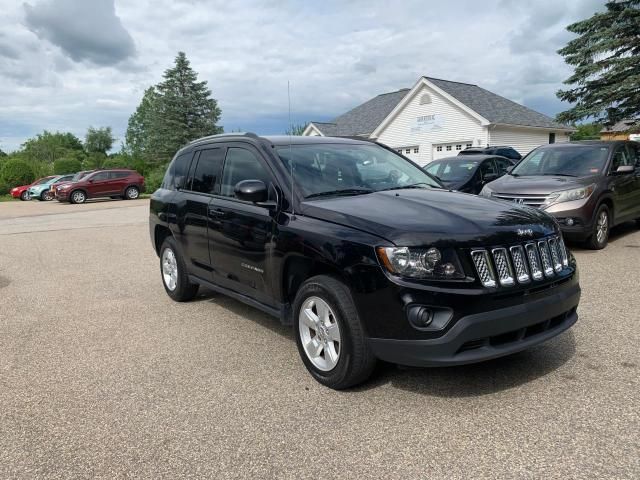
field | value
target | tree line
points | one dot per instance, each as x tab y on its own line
171	114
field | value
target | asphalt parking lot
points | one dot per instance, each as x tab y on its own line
102	375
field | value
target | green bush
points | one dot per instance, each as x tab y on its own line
153	179
66	165
117	161
16	172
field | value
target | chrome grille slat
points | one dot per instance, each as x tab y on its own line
503	267
534	261
563	252
520	264
483	267
555	254
545	255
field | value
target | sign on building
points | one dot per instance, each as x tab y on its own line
427	123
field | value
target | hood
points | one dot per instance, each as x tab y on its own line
414	217
538	184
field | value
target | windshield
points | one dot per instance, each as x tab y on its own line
343	169
42	181
79	176
575	161
453	171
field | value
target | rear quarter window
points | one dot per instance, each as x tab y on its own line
176	174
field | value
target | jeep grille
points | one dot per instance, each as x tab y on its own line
531	261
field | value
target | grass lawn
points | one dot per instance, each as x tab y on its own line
7	198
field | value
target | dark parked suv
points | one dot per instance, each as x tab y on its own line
365	254
588	186
503	151
116	183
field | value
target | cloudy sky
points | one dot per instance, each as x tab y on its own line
68	64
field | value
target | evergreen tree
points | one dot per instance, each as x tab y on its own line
174	112
606	60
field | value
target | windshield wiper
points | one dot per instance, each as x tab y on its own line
344	191
413	185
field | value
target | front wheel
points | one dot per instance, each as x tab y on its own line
329	335
78	197
174	273
600	233
46	196
131	193
24	196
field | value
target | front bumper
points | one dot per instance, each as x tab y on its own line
487	335
62	195
479	323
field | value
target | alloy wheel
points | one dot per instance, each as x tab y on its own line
132	193
78	197
602	227
169	269
319	333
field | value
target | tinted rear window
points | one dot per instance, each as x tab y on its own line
177	172
207	170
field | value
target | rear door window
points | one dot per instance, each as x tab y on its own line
205	174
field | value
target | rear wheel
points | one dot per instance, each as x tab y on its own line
78	196
330	337
24	196
600	233
174	273
131	193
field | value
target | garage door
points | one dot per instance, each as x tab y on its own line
441	150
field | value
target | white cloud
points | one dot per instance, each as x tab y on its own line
335	54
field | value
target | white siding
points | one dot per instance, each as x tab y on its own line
458	126
523	139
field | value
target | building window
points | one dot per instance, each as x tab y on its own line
416	149
439	148
458	147
469	145
552	137
407	151
425	99
448	148
400	151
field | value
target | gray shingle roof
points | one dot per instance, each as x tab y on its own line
365	118
493	107
623	126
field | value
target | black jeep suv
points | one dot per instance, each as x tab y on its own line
364	253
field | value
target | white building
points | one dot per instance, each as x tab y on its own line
438	118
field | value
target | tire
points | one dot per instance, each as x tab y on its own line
24	196
131	193
355	361
46	196
599	238
183	290
77	196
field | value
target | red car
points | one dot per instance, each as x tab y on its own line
21	191
115	183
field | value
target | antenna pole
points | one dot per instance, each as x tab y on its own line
293	213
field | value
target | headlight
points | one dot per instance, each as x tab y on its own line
486	191
421	262
569	195
63	187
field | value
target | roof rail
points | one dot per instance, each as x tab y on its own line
218	135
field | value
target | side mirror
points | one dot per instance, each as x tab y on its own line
510	168
251	191
490	177
625	169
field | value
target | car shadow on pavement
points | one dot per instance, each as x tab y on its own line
618	234
251	313
479	378
463	381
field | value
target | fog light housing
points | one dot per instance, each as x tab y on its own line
569	222
430	318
